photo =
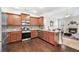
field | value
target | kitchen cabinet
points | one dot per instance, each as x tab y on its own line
37	21
40	21
34	33
19	36
50	37
25	16
14	36
40	34
14	19
45	35
33	21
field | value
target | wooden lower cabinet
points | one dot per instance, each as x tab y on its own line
14	36
50	37
34	33
46	36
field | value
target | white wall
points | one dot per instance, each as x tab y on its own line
68	20
58	15
54	16
11	10
15	10
0	32
47	19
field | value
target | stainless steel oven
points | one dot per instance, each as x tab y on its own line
26	32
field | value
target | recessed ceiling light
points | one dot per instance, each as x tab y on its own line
34	11
67	15
41	7
16	7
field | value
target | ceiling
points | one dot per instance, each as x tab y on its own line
39	10
60	11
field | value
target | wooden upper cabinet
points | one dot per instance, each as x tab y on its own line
33	21
36	21
14	19
25	16
41	21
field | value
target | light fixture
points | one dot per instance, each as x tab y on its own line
68	12
67	15
34	11
41	7
17	7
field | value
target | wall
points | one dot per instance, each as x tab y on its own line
16	10
11	10
58	16
68	20
47	19
55	17
0	31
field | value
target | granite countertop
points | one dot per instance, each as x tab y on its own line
11	30
44	30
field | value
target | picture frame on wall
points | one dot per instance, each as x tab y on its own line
51	23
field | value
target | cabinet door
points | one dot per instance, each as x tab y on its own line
40	34
25	16
34	33
45	36
40	21
52	38
10	37
34	21
19	36
56	38
14	36
17	20
14	19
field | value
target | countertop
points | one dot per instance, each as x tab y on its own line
11	30
46	30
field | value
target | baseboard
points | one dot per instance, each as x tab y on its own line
34	37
